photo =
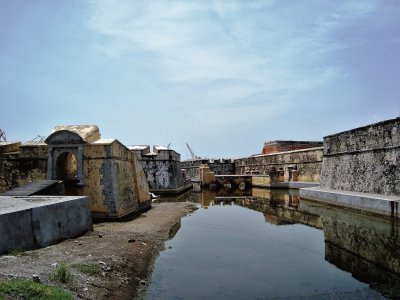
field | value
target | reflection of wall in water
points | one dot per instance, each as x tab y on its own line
380	246
380	279
280	207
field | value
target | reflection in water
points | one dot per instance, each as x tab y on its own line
228	250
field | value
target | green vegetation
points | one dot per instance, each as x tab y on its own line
62	274
27	289
89	269
17	252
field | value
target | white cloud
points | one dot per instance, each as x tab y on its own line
230	51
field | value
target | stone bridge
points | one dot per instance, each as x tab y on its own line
233	181
209	179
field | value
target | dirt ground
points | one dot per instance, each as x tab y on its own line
126	250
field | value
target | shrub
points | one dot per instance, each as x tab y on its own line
62	274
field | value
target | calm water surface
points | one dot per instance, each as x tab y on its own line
275	246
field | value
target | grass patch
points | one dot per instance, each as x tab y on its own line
27	289
89	269
62	274
17	252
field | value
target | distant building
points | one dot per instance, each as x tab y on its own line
282	146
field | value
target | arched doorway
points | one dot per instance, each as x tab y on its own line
66	166
66	170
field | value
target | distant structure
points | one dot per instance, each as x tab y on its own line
3	137
221	166
194	156
283	146
162	167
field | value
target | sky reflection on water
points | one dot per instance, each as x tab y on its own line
231	252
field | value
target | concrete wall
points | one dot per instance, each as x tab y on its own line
18	168
364	159
299	165
38	221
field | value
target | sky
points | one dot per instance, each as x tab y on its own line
223	76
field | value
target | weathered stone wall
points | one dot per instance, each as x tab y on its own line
364	159
192	168
29	164
110	182
299	165
162	168
218	166
9	147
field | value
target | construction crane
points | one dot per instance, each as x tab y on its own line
191	152
38	138
3	136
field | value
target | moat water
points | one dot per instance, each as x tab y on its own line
268	244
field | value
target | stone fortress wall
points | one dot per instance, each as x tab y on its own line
162	167
104	170
218	166
298	165
365	159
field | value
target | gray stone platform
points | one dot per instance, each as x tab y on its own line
38	221
288	185
373	203
39	187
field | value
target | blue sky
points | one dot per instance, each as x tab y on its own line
224	76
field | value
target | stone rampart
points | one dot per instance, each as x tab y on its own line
365	159
298	165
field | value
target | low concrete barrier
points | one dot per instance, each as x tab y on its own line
373	203
39	221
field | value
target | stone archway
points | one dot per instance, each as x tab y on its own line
66	166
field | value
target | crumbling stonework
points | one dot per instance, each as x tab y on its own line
103	169
299	165
26	162
365	159
162	167
218	166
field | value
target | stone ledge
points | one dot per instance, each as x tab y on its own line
287	185
179	190
373	203
38	221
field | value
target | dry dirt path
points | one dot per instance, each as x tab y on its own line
126	251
